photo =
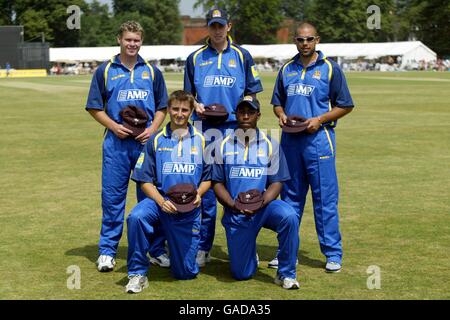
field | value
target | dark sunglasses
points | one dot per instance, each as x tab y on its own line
303	39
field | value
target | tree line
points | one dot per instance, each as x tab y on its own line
254	22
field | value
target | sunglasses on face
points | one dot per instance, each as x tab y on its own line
303	39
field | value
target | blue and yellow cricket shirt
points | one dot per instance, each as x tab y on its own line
167	160
311	91
224	77
114	87
256	165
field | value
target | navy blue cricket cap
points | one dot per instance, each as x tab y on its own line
217	15
250	101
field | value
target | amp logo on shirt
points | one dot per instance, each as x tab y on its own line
132	94
246	173
219	81
301	89
178	168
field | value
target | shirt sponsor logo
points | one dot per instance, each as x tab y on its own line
300	89
178	168
292	74
206	63
132	94
246	172
219	81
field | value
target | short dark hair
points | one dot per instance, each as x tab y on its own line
130	26
306	24
181	95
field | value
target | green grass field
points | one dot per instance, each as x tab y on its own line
394	172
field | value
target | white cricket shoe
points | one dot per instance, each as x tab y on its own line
202	258
287	283
162	261
105	263
274	263
136	284
333	267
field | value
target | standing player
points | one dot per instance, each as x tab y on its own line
221	72
173	175
126	80
248	176
313	87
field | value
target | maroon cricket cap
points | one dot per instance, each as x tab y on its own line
295	124
249	200
135	119
182	196
215	113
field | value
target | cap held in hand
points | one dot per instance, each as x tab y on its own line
135	119
215	113
249	200
295	124
183	195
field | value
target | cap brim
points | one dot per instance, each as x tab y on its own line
249	103
183	208
298	129
221	21
136	131
248	206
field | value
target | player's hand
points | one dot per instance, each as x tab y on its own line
198	201
313	125
199	109
120	131
144	136
282	119
168	207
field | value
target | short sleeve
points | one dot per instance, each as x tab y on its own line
252	80
339	92
145	169
159	90
278	169
97	90
279	95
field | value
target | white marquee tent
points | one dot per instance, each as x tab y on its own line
408	50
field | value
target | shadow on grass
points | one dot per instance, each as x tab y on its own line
91	252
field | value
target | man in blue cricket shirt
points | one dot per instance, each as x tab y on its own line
313	87
171	160
248	174
126	80
220	72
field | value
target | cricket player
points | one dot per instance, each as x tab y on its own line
248	176
220	72
126	80
172	159
313	87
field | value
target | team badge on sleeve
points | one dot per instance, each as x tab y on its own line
255	72
140	161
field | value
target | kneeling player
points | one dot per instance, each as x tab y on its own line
173	175
247	177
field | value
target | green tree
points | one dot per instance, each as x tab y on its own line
159	18
97	27
254	22
6	12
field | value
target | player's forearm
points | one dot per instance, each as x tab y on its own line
150	191
272	192
334	114
278	111
223	196
160	115
203	187
102	117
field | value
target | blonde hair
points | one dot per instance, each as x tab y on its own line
131	26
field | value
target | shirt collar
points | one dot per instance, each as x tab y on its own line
256	138
320	57
167	132
116	59
229	43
